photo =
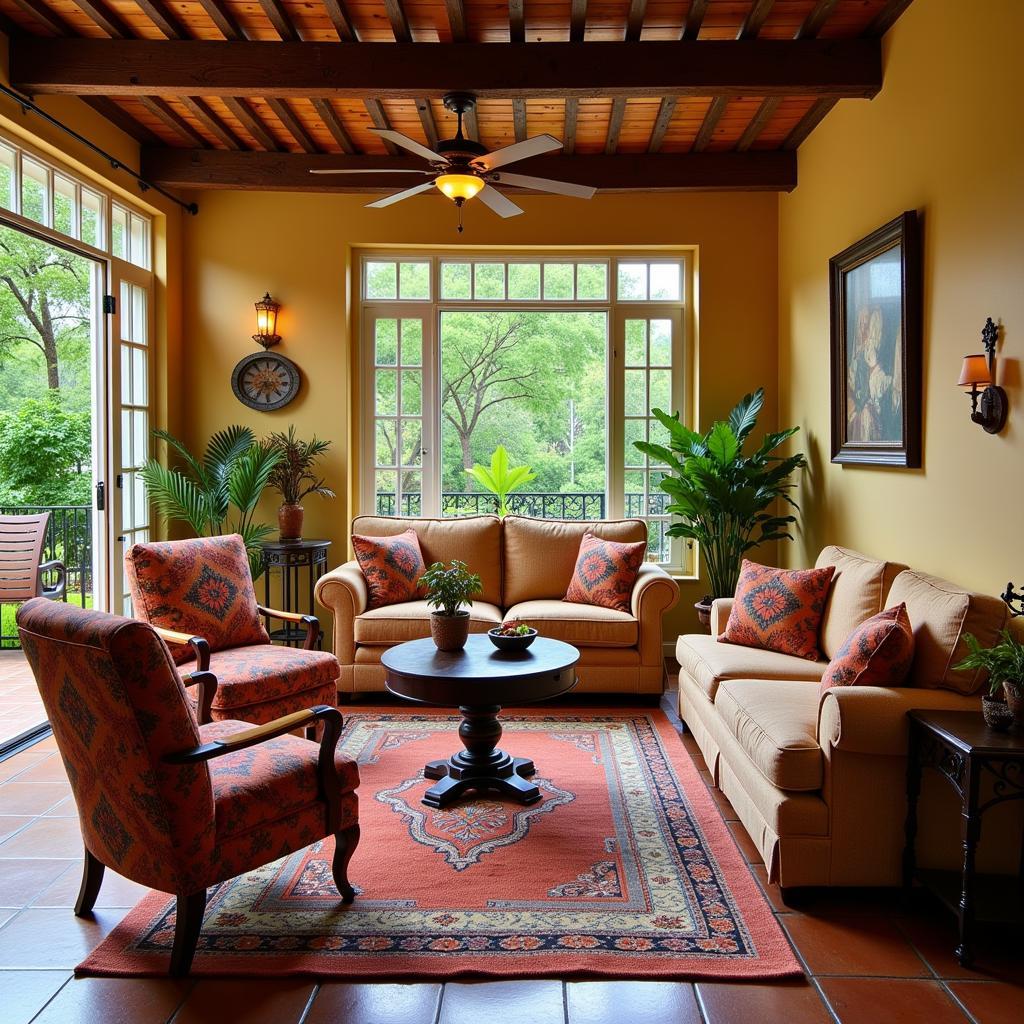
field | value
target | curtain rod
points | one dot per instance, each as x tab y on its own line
118	165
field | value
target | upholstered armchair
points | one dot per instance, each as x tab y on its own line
169	801
199	596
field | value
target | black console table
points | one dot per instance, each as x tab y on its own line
293	560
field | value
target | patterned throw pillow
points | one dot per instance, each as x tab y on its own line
778	609
391	566
202	587
605	572
877	653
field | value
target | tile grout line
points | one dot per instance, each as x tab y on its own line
956	1001
565	1002
824	1000
186	995
67	981
307	1009
440	1002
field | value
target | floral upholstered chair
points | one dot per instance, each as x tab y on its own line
199	596
162	798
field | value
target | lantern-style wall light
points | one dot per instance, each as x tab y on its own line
989	405
266	321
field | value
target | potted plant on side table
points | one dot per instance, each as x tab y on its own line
1003	706
294	478
449	587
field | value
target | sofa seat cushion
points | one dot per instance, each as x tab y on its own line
263	673
583	625
775	722
707	662
410	620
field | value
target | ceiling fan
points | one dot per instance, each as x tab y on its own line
463	169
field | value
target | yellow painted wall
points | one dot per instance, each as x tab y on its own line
299	247
945	137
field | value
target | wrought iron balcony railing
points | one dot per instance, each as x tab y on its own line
541	504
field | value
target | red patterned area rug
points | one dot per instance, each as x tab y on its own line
625	869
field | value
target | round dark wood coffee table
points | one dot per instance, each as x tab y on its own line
478	681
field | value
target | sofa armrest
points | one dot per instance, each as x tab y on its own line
873	719
720	609
654	593
343	591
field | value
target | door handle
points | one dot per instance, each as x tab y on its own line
101	496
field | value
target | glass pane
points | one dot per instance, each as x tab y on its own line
666	279
636	393
657	541
140	513
412	443
633	485
635	430
127	499
126	375
127	457
412	392
636	342
591	281
661	390
139	245
558	279
386	442
140	324
414	280
387	400
7	163
119	232
489	281
524	281
412	342
126	311
35	203
92	219
659	435
412	496
64	218
140	375
661	343
632	280
385	335
381	280
456	281
140	437
386	500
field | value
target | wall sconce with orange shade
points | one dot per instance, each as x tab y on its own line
266	321
989	406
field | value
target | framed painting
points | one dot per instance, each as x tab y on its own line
875	307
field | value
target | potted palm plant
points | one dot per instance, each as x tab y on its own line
722	498
294	478
1004	703
449	587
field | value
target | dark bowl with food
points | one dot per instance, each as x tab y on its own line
512	641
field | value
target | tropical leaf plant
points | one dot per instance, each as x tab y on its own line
724	499
218	493
294	477
501	479
1004	662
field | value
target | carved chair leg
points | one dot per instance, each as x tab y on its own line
345	843
92	879
188	922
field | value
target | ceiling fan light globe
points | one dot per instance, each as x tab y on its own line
459	186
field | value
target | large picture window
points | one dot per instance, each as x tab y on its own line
558	358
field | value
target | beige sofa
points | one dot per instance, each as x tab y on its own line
819	781
525	566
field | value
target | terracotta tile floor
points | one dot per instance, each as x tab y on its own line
20	706
867	958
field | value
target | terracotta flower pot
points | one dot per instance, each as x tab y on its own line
1014	691
449	632
289	521
996	713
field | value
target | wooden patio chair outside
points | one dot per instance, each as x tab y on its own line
21	568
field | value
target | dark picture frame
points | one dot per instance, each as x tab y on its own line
875	315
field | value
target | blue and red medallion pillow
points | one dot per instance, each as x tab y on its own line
779	609
391	566
605	572
877	653
202	587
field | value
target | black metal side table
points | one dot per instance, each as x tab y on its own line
293	559
966	752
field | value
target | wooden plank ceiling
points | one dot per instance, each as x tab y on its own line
225	90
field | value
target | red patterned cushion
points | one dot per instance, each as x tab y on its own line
392	567
778	609
202	587
249	676
605	572
877	653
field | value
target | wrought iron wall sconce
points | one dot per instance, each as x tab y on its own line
989	405
1015	599
266	322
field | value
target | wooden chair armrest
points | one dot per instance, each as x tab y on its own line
207	683
199	646
311	622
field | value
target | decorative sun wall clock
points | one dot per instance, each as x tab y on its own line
265	381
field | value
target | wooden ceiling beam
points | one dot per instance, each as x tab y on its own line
808	123
635	20
211	121
252	123
218	13
665	114
456	19
756	17
292	124
175	67
160	109
341	21
516	21
886	17
578	21
764	114
399	22
379	117
694	19
333	124
519	119
773	171
164	18
278	17
120	118
108	20
611	139
815	21
46	16
572	113
426	115
710	122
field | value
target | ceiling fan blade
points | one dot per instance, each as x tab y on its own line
501	205
518	151
369	170
410	144
397	197
561	188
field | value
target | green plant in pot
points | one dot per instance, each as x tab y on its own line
294	478
501	479
1004	704
449	587
723	498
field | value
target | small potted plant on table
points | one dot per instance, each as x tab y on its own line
449	587
1004	704
293	477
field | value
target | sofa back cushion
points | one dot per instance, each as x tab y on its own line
941	613
860	588
475	540
540	554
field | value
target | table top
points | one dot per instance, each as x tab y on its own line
967	731
306	544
